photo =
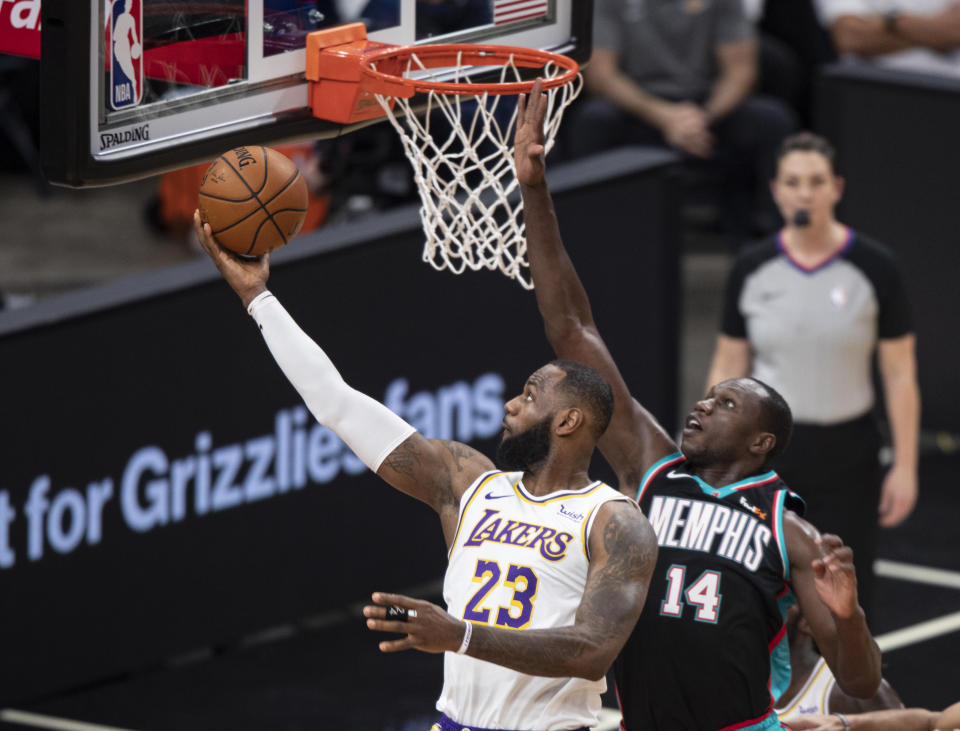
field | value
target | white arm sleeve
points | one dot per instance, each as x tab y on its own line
368	427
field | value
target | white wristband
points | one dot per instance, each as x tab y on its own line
467	631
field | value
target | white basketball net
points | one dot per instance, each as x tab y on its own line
471	209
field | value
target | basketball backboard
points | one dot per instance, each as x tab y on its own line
135	87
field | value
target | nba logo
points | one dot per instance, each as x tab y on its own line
126	53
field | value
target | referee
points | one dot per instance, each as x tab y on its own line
805	311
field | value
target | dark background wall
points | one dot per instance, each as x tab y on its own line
124	537
896	136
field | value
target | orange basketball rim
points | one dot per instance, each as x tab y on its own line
456	126
346	71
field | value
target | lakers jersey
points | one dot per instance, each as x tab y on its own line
814	697
519	562
710	650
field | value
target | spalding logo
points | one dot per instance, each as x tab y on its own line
244	157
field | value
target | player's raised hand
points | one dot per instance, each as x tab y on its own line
427	627
835	576
528	142
246	276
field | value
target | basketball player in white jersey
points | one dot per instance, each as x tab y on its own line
813	689
548	569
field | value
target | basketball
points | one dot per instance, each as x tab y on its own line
254	199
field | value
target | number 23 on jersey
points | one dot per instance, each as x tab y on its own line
521	579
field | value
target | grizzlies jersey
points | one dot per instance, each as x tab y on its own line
710	649
519	562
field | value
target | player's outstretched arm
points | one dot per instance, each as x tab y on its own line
623	554
436	472
949	720
901	719
825	582
634	440
885	699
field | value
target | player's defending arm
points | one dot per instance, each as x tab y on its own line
623	554
634	440
901	719
825	582
886	698
433	471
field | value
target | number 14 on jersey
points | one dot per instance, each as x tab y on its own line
704	594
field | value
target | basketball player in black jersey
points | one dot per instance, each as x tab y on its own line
709	650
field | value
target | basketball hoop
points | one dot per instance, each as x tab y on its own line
456	132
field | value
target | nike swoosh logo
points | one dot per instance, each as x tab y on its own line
491	496
674	475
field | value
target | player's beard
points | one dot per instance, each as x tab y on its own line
521	451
